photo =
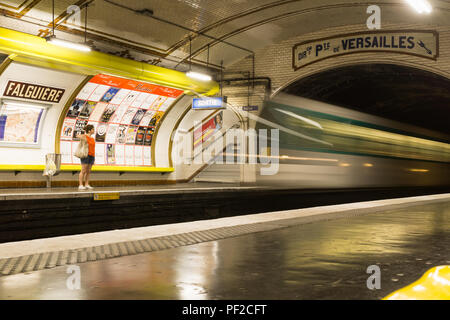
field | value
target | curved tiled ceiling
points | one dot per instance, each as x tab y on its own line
125	28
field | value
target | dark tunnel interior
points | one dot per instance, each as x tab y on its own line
400	93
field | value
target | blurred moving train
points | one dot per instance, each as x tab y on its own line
325	146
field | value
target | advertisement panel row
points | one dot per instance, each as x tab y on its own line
124	113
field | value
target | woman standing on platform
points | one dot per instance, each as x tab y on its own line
86	163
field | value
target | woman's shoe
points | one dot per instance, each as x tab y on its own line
81	188
89	187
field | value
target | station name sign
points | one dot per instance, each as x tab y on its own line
418	43
29	91
208	103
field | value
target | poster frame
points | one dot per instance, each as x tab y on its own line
45	107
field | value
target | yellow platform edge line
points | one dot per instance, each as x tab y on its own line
433	285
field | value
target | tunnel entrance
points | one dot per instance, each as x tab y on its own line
400	93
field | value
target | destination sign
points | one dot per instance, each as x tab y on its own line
417	43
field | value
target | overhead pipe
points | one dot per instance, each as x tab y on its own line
35	50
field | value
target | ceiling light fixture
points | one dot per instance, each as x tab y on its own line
68	44
198	76
192	74
421	6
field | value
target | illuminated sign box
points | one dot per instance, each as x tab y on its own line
250	108
208	103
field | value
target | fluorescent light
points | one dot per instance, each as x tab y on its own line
68	44
199	76
420	6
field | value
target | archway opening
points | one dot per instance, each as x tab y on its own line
395	92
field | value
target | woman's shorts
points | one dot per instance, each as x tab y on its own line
88	160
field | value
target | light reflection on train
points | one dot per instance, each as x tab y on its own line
325	146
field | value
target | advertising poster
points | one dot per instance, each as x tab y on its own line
137	103
166	104
98	111
129	155
67	129
109	95
87	110
207	130
74	147
98	93
138	117
101	132
120	155
112	133
118	115
149	101
147	156
138	156
75	108
149	136
122	134
158	102
79	129
120	96
156	118
131	135
147	118
95	124
87	91
66	152
124	113
109	111
110	154
100	153
130	98
140	135
129	115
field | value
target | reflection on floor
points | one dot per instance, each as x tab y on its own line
320	260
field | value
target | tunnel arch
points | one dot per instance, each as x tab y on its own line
395	90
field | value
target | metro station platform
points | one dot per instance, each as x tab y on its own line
74	193
27	214
321	252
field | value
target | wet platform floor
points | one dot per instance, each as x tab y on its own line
320	260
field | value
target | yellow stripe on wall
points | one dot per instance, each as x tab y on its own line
117	169
78	168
